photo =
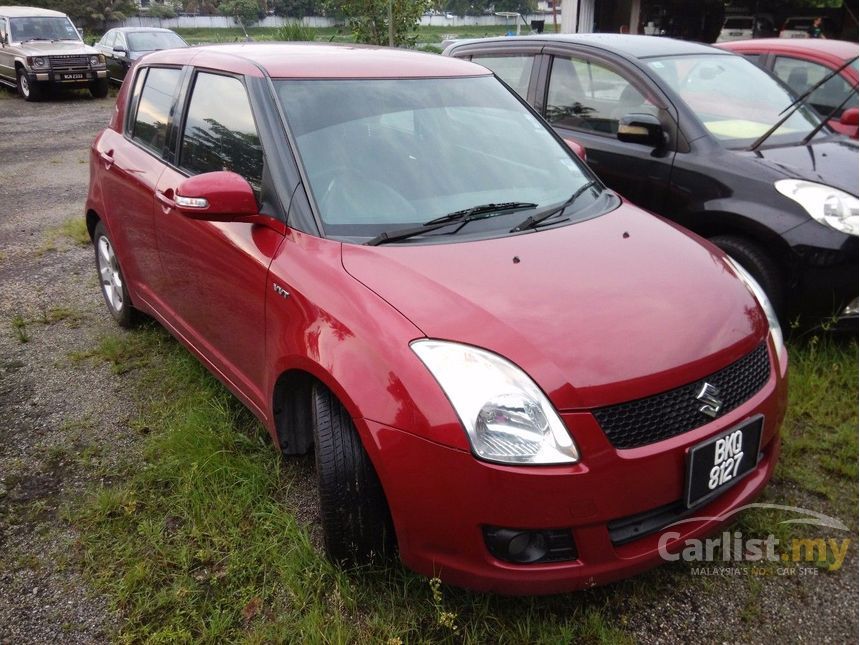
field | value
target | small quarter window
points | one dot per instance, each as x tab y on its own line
513	70
155	107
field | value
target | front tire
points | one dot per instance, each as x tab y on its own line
99	88
752	258
112	282
30	91
357	525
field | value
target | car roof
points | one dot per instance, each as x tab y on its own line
28	12
322	60
841	49
126	30
623	44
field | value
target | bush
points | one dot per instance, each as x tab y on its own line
295	31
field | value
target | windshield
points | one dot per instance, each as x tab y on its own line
147	41
738	23
42	28
387	154
734	99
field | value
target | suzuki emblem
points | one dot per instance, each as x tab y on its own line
709	395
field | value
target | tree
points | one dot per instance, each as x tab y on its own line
294	8
244	12
368	19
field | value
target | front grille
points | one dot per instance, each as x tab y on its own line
70	61
654	418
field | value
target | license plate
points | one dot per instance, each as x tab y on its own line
72	77
720	462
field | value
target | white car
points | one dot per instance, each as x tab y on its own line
797	27
745	28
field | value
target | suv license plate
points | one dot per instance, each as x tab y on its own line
72	77
720	462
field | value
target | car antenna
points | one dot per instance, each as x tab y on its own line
792	107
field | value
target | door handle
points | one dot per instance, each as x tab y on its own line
107	158
166	199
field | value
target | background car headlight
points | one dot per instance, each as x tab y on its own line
764	301
830	206
507	418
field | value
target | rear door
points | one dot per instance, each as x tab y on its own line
217	271
7	59
584	95
130	165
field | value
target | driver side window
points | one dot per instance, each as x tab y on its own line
585	95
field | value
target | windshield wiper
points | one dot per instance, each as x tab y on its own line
28	40
463	217
532	221
794	106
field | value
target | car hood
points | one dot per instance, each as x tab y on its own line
832	161
605	310
44	48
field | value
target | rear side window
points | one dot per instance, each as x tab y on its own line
220	133
588	96
513	70
154	107
800	75
109	39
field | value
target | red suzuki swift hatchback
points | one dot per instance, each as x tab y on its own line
508	374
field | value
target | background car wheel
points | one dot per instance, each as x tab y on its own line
112	281
750	256
30	91
99	88
356	521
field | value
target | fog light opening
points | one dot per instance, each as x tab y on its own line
526	546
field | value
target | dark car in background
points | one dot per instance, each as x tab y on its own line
802	64
680	129
124	45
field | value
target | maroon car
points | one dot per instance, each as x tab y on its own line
802	63
507	373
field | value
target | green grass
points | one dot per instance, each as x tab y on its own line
73	230
428	35
200	544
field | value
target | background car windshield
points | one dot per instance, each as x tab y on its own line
147	41
42	28
385	154
735	100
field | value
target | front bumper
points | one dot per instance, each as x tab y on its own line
440	498
73	77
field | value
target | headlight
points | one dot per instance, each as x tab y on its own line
506	416
38	61
830	206
764	301
96	60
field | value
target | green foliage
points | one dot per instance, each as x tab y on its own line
244	12
368	20
295	31
295	9
161	11
89	14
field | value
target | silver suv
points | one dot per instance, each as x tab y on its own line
40	48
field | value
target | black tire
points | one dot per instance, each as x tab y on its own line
30	91
99	88
357	525
112	282
752	258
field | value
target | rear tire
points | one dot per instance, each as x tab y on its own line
111	279
752	258
357	525
99	88
30	91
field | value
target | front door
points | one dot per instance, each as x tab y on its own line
217	272
583	99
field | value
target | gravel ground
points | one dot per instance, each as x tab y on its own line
64	426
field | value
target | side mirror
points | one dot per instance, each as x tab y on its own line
849	116
577	148
644	129
217	197
120	51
